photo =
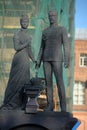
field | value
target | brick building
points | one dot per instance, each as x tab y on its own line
80	78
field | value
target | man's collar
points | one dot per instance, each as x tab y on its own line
22	29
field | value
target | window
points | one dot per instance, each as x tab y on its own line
79	93
83	60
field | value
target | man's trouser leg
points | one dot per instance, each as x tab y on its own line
49	84
57	68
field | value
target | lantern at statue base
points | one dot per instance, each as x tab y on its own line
32	91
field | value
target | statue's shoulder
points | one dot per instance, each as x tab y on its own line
62	28
45	30
17	34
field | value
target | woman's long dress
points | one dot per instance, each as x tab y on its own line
20	70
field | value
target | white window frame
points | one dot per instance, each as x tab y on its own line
79	93
83	58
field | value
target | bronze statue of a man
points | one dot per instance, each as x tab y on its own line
20	69
53	39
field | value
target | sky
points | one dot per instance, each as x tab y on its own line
81	14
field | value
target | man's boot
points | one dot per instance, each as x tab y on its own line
63	103
50	103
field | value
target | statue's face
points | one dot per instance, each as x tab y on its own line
53	17
24	23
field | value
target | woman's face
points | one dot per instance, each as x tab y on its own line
24	23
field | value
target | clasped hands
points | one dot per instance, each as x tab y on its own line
37	65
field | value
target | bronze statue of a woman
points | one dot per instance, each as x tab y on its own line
20	69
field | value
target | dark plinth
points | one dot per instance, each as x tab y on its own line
18	120
32	91
32	104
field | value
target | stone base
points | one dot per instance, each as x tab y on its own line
31	106
19	120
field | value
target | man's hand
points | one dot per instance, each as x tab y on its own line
66	64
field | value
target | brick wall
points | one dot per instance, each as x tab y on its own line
79	72
82	116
